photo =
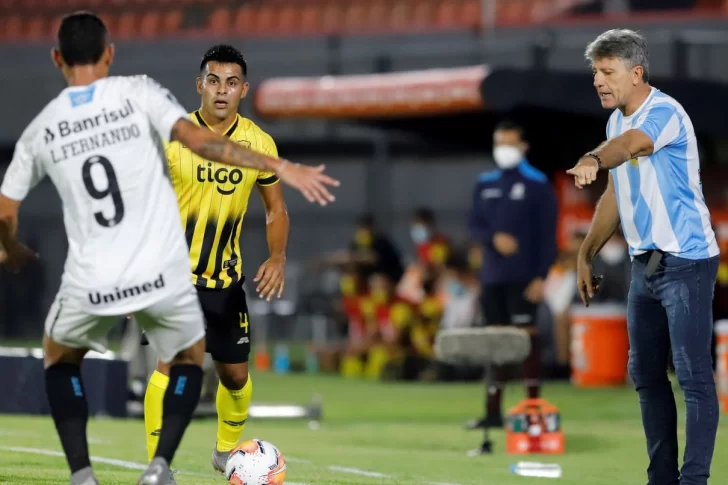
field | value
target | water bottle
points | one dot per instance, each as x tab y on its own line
553	422
281	361
541	470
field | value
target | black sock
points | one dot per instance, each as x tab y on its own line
532	369
67	400
180	401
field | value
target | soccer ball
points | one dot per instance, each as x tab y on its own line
255	462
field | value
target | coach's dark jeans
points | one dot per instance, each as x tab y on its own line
673	307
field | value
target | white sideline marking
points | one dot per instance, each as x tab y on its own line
298	460
129	465
96	441
11	432
356	471
364	473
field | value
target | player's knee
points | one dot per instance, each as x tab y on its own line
233	377
163	368
55	353
193	355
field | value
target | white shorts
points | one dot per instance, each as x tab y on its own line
172	324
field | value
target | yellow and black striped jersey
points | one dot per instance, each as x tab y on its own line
213	198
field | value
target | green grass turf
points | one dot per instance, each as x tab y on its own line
412	432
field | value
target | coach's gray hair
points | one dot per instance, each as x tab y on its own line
624	44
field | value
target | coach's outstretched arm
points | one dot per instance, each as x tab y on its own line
310	181
604	223
631	144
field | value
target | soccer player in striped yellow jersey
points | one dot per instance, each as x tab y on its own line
213	199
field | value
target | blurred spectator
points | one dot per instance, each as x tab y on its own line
614	264
514	217
370	251
432	248
420	362
462	293
378	332
559	295
461	309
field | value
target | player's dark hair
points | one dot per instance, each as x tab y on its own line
508	125
82	38
426	215
365	220
224	54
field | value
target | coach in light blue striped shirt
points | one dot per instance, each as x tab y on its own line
654	190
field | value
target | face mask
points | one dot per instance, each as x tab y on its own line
613	254
419	234
507	156
456	288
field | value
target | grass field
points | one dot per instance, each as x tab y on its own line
372	433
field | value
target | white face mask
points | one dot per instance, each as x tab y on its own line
507	156
613	253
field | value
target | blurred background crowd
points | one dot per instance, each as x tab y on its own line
401	99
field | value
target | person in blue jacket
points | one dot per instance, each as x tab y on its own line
514	219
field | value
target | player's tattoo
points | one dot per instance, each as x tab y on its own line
229	152
223	150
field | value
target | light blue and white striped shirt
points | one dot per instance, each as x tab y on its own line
660	197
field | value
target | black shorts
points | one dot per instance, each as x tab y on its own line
506	305
227	323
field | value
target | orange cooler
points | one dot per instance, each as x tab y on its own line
721	357
599	345
534	427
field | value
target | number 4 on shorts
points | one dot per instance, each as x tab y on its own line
244	321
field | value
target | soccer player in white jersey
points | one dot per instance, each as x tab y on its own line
655	191
100	142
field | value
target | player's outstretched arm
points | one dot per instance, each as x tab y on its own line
310	181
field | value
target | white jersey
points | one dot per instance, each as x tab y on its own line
101	145
660	196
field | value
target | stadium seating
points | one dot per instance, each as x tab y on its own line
37	20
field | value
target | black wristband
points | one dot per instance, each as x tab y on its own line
595	157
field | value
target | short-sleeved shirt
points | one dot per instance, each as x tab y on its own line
102	147
660	197
213	199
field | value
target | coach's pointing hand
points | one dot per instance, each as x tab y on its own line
271	277
310	181
584	172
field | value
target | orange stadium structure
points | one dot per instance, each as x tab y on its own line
38	20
